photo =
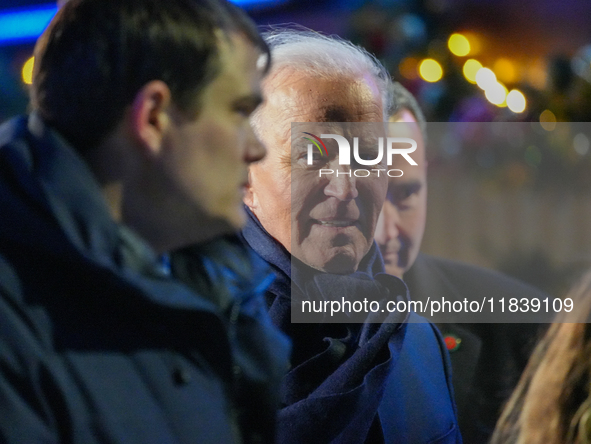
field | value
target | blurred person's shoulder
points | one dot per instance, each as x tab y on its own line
457	279
13	130
487	358
439	278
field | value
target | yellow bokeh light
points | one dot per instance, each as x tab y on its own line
548	120
516	101
470	69
485	78
496	94
505	70
27	71
458	45
408	68
430	70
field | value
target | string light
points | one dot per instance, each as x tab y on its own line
430	70
459	45
27	71
485	78
470	69
496	94
516	101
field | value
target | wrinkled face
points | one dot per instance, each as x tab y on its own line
326	222
210	155
402	222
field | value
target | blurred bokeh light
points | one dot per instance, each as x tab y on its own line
27	71
430	70
516	101
459	45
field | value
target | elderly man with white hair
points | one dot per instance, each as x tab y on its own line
348	383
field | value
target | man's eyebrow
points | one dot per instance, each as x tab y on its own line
403	182
414	185
335	114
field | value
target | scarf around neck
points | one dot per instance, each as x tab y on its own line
338	370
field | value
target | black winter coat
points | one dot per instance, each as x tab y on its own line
97	343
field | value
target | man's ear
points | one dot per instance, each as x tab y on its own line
249	198
149	117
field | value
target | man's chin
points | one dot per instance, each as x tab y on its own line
341	264
330	258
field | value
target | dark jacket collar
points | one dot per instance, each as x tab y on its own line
69	191
44	182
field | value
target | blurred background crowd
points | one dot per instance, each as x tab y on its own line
520	207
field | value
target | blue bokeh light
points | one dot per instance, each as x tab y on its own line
17	25
20	25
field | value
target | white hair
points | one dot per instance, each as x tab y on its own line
318	55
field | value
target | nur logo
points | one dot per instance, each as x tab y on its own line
317	146
345	153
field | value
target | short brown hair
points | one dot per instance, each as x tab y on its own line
96	54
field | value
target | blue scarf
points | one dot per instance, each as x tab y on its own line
338	371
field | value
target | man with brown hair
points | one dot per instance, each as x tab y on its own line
487	359
138	143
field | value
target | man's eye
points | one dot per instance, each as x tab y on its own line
403	194
399	195
315	159
245	106
244	111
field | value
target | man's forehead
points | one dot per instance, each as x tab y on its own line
297	96
234	44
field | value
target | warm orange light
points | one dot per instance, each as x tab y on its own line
548	120
537	73
505	70
475	42
408	68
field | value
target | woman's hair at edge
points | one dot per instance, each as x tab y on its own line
95	56
552	401
324	56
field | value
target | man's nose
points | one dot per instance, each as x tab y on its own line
254	149
390	220
342	184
